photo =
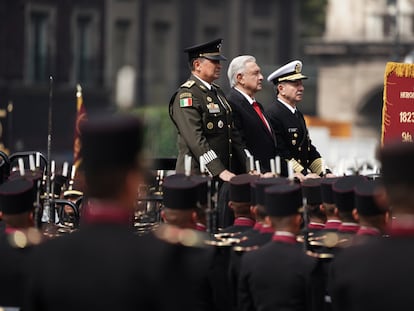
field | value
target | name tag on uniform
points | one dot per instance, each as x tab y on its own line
292	129
213	108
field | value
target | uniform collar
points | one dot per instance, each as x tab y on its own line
244	222
403	225
248	98
200	227
332	224
257	226
97	211
284	237
267	229
363	230
206	84
287	106
348	227
316	225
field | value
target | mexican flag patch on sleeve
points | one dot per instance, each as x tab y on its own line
186	102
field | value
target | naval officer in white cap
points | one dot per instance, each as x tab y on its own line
293	142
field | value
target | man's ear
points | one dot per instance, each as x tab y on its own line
355	214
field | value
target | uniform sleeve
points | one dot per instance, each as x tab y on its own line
189	123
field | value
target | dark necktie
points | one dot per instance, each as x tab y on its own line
260	113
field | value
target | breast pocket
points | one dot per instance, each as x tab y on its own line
214	123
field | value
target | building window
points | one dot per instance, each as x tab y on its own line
160	51
39	47
85	53
121	44
262	45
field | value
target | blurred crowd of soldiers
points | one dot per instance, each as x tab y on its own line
299	239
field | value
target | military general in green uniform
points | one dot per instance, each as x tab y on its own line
203	117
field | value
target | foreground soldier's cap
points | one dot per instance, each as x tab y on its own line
110	142
397	166
344	192
311	190
326	190
365	198
201	181
289	72
16	196
180	193
210	50
283	200
263	183
240	188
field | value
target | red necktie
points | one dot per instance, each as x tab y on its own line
259	112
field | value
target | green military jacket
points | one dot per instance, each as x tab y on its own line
204	122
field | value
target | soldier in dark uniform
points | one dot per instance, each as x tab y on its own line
372	217
246	80
293	141
240	203
191	262
378	275
16	204
203	117
315	217
278	275
103	265
328	205
344	198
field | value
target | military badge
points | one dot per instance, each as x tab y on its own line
209	99
213	108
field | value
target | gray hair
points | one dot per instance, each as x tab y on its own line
237	66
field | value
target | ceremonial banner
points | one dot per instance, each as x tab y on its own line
398	107
80	117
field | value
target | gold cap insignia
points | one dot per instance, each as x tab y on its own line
298	68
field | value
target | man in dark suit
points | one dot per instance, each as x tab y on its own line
278	275
378	275
246	80
288	123
103	265
16	204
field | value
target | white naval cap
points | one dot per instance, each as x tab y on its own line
289	72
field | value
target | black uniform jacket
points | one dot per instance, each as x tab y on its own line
291	135
375	276
277	276
258	139
204	121
12	266
100	267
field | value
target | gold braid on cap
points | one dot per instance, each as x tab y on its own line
316	166
209	54
296	166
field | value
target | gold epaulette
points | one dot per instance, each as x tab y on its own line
186	237
245	248
25	238
72	193
188	84
226	235
320	255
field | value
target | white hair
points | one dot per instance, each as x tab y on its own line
238	65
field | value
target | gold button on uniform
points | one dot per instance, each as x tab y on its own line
210	125
295	135
300	148
299	161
